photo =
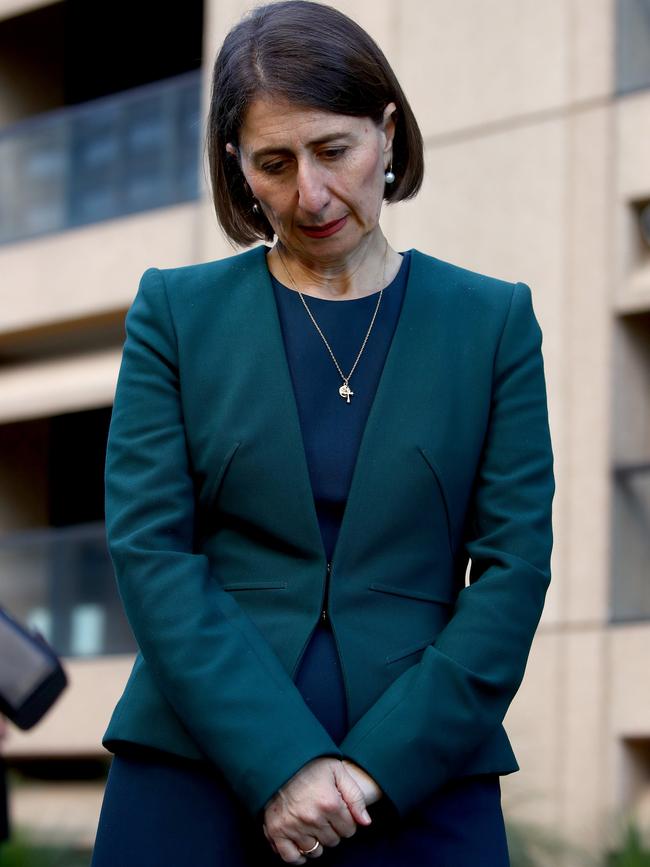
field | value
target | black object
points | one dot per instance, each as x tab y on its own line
31	674
4	804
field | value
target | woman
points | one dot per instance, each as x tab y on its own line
308	444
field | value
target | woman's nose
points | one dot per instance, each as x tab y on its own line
313	195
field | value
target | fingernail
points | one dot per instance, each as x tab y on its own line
366	816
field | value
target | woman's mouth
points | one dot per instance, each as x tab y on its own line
325	229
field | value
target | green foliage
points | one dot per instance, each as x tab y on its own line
534	846
21	851
633	852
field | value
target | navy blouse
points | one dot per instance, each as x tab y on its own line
332	429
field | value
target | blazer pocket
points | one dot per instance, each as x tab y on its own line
254	585
407	651
426	596
218	479
430	462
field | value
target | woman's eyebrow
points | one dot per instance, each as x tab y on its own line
258	155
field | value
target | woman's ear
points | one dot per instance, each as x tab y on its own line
233	151
388	125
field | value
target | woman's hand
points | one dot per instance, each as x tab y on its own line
372	791
322	801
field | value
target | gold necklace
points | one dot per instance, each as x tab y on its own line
345	391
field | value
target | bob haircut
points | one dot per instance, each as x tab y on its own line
313	56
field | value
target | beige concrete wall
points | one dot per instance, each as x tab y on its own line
78	275
92	269
83	381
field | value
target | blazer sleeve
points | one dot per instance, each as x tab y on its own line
208	658
424	727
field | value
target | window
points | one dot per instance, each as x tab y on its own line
630	567
632	45
57	575
99	120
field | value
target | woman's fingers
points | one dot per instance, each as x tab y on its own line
332	821
288	851
270	839
342	823
353	795
372	791
309	844
285	848
310	807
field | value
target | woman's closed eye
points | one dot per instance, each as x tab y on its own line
328	154
274	168
333	153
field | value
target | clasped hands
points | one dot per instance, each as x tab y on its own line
325	801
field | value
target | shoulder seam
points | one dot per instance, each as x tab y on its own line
168	306
503	328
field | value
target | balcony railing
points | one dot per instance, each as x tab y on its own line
61	581
118	155
630	586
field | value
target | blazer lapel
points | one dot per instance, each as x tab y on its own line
401	411
284	487
402	415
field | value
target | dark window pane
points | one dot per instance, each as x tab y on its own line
61	581
632	45
631	544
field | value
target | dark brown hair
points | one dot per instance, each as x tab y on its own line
314	56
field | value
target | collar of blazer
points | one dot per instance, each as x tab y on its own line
429	409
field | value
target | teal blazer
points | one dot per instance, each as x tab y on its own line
213	533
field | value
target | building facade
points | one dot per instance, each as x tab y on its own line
536	120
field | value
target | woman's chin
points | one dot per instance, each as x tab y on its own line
339	245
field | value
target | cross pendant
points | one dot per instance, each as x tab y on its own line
345	391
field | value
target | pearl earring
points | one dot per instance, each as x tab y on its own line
256	208
389	176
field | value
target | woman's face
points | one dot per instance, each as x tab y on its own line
318	176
